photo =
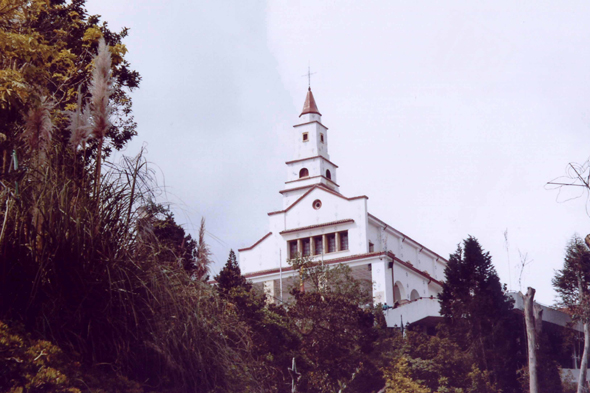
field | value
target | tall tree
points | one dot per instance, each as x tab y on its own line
231	276
572	284
338	331
479	314
274	339
174	244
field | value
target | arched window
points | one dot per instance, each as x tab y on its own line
399	293
414	295
303	173
397	296
328	174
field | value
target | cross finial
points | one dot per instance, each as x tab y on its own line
308	75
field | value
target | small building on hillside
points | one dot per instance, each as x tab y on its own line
318	221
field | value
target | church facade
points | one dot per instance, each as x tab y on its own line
319	222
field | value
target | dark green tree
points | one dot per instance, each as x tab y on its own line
478	315
176	246
275	341
231	276
338	331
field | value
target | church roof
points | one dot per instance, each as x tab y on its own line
310	106
321	187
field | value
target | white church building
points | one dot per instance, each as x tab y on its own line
318	221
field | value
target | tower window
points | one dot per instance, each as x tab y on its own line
328	174
303	173
305	137
322	137
371	247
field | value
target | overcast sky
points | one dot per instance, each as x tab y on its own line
450	116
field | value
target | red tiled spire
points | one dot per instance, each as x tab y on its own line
310	105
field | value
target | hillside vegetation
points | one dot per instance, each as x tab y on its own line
102	291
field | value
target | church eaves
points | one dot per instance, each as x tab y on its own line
310	106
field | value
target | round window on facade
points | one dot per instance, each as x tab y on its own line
317	204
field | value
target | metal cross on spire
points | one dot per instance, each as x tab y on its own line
308	75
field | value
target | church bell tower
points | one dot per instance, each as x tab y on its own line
310	162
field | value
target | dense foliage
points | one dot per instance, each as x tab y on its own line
334	315
572	284
48	48
36	366
479	315
422	363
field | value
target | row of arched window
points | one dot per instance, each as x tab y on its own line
304	173
399	293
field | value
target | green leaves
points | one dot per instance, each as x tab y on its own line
572	283
478	315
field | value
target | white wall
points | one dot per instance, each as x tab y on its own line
265	255
313	146
412	312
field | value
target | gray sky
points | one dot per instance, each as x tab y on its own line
450	116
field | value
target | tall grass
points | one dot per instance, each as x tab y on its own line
80	266
87	273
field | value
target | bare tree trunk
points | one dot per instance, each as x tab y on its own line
582	386
532	339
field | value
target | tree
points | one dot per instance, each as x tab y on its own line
231	276
273	335
175	246
415	360
533	326
47	51
478	314
338	330
572	284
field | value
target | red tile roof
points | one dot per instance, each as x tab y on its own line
311	158
313	177
310	106
406	237
326	262
353	258
309	122
321	186
255	244
317	226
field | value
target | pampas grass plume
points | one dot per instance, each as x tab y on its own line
101	89
39	127
79	126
